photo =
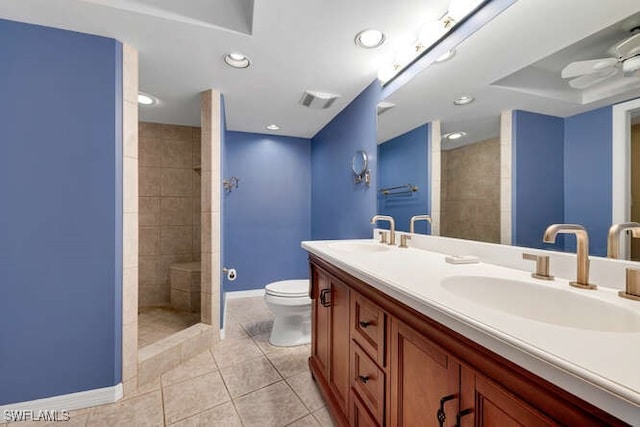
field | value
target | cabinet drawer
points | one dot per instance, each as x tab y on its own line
367	380
368	326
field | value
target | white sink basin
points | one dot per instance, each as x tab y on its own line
546	304
367	247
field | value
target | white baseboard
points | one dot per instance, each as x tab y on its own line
69	402
238	295
243	294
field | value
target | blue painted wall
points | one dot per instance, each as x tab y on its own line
60	221
587	164
341	209
405	160
269	214
538	177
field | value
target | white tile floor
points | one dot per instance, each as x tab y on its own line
242	381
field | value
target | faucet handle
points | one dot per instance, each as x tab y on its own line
383	237
403	240
632	289
542	266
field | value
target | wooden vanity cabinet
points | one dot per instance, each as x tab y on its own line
378	362
329	360
425	380
494	406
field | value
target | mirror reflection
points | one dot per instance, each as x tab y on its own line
635	179
470	180
567	155
403	167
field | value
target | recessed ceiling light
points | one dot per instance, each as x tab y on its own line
447	56
370	39
273	127
144	99
455	135
464	100
236	60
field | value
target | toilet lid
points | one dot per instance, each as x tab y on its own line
288	288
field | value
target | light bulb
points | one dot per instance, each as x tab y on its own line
430	33
386	72
406	55
458	9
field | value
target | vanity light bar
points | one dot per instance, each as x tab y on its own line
431	33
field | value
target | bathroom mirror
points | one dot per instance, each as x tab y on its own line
359	163
512	68
470	180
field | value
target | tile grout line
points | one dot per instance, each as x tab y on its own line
164	413
299	397
304	416
232	400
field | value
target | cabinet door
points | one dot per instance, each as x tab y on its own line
339	343
360	416
423	378
321	315
494	406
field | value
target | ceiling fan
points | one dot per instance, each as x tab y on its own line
625	57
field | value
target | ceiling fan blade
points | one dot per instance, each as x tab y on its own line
629	47
590	66
588	80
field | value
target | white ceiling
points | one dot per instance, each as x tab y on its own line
297	45
529	38
293	46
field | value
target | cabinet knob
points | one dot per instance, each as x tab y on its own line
363	378
364	324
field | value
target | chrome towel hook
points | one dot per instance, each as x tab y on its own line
229	184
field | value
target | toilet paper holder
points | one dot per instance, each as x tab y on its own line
231	273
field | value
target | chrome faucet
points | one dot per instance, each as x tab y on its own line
582	250
392	226
613	241
418	218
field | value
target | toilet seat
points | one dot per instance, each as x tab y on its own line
288	289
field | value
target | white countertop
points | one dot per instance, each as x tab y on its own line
600	366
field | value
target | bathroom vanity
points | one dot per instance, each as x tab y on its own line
400	337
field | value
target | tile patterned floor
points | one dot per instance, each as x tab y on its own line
243	381
155	323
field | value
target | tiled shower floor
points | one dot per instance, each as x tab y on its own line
242	381
155	323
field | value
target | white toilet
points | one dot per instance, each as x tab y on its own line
290	303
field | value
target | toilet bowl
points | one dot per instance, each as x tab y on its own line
290	303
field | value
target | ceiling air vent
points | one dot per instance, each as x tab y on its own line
318	100
385	106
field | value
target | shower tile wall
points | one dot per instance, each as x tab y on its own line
471	192
169	205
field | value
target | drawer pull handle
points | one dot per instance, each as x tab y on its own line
323	297
462	414
363	378
364	324
441	415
